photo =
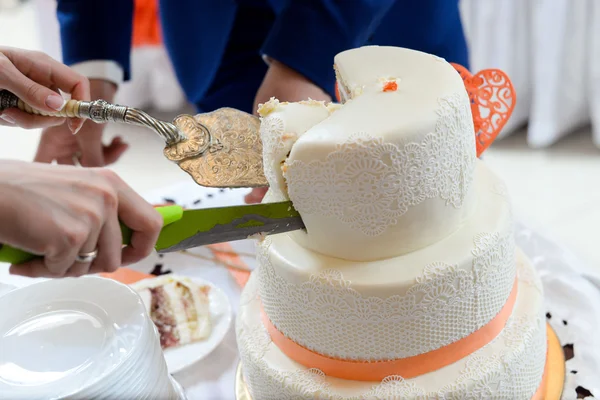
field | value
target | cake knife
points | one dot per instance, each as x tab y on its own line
185	229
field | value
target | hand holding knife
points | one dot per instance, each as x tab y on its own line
185	229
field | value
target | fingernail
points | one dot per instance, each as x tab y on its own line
55	102
74	125
8	119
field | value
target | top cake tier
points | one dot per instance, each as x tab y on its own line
386	173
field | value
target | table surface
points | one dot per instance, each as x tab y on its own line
572	297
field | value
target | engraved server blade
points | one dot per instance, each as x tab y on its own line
225	224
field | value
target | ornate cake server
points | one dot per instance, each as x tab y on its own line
223	149
217	149
99	111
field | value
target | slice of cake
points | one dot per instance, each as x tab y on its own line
178	307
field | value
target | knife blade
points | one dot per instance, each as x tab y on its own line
185	229
225	224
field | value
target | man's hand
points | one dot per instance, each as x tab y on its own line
285	84
57	143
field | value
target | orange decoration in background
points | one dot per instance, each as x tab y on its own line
390	86
127	276
146	24
337	93
224	252
493	100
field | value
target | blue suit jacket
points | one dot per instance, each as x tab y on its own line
216	45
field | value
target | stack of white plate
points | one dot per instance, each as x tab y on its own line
80	338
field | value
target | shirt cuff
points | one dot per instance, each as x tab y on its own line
101	69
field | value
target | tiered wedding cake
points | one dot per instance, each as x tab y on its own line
406	283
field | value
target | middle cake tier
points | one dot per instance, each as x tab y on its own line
398	307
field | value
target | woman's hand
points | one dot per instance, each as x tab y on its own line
61	212
35	78
285	84
59	144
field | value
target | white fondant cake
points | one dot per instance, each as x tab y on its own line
408	248
510	367
387	173
460	282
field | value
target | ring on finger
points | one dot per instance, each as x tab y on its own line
86	257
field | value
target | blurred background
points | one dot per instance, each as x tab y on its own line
548	153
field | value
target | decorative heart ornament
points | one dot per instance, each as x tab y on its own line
493	100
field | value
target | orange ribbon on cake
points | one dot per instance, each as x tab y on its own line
409	367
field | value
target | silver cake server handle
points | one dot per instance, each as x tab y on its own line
100	111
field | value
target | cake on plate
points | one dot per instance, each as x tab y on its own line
407	282
178	307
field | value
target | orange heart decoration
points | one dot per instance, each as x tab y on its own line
493	100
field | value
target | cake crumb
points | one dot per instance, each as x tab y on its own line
357	92
389	83
268	107
289	136
333	107
313	103
390	86
260	237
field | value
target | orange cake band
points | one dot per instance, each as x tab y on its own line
409	367
540	393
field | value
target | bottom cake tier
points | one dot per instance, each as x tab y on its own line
511	366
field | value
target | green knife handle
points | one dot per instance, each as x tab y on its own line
12	255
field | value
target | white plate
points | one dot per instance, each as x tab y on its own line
179	358
178	389
60	336
4	288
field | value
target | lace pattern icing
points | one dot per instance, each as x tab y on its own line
513	374
368	184
529	277
500	189
447	303
274	147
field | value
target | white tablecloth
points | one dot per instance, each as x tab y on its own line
572	299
